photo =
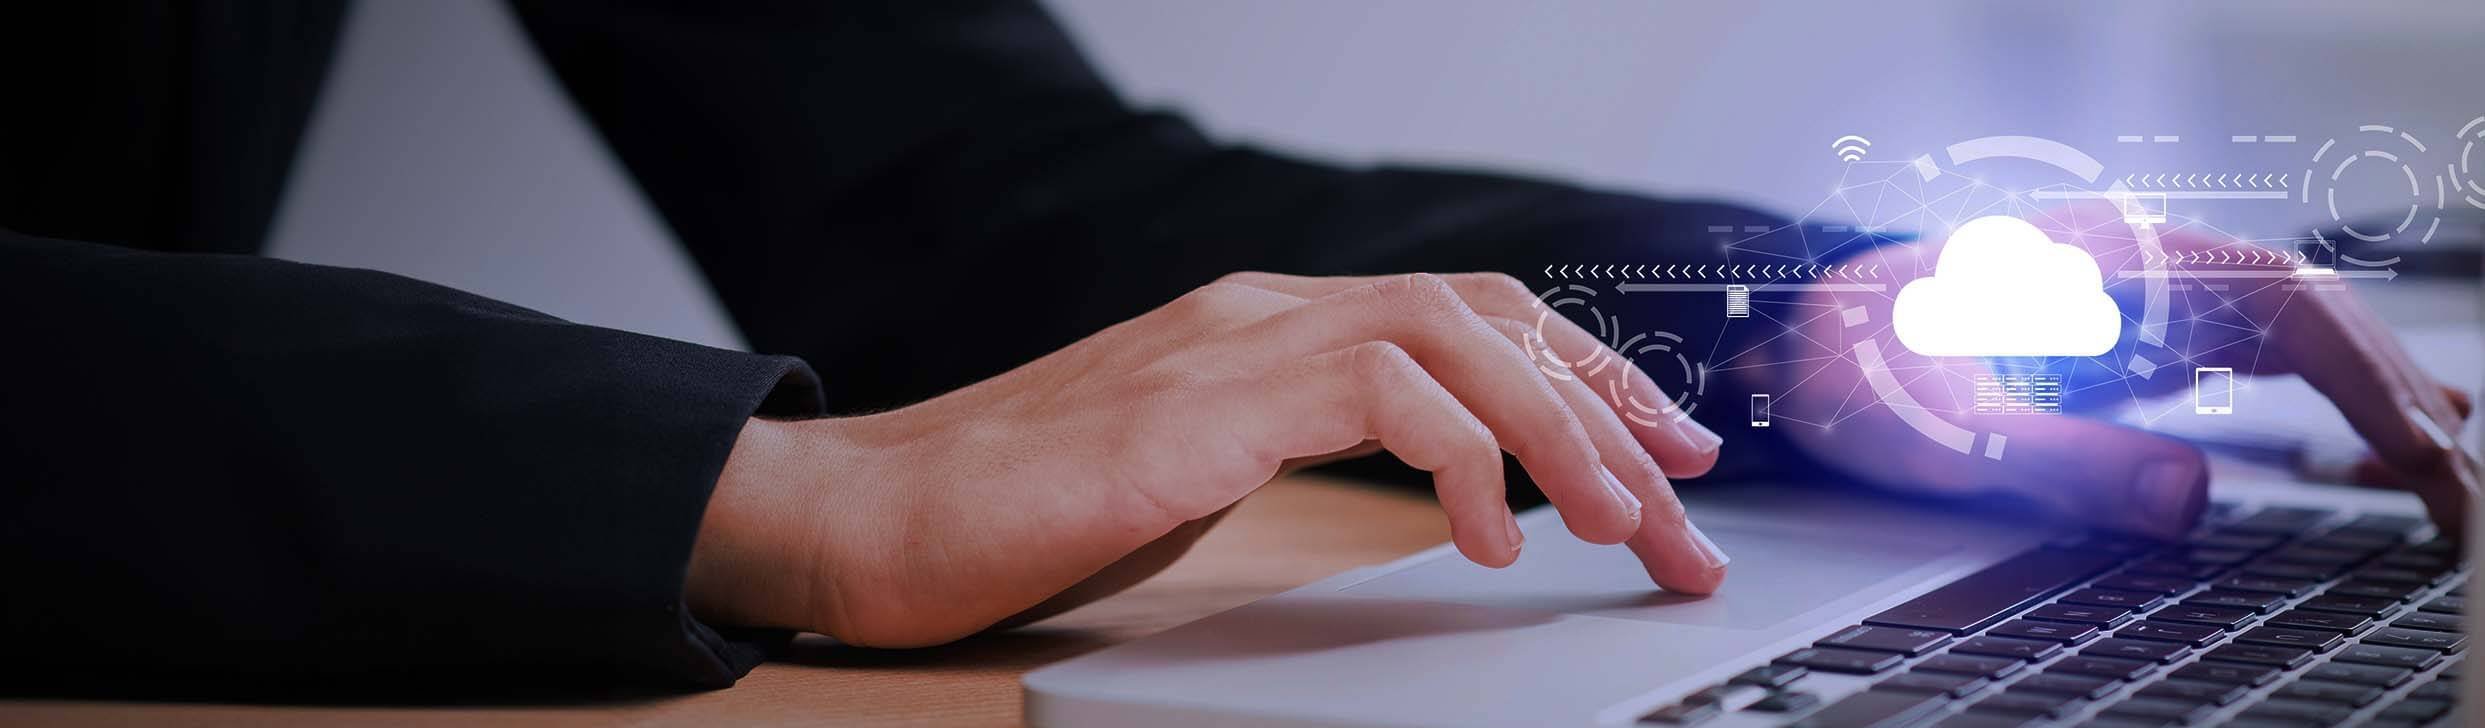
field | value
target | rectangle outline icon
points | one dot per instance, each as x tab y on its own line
2227	374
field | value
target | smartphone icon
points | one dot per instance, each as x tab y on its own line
1760	410
2213	391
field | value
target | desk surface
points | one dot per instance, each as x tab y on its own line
1292	532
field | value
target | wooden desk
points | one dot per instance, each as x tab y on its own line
1292	532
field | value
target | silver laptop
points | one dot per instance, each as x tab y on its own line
2293	604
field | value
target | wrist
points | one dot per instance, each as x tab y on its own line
748	565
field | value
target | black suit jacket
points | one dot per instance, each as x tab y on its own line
229	475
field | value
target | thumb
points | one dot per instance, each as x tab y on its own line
2102	473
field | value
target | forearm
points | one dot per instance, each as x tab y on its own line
344	480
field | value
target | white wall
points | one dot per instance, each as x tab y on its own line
444	152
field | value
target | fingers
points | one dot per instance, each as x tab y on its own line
2096	472
2105	474
1683	447
1673	551
1376	390
1491	376
2328	338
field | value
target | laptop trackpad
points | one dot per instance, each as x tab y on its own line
1777	574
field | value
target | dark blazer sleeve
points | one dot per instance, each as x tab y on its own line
983	197
232	476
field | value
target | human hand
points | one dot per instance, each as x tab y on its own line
2100	472
1071	476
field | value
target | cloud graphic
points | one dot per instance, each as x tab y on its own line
2002	288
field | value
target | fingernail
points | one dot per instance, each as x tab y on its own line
1714	557
2165	493
1703	439
1510	523
1622	495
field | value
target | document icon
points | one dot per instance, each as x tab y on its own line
1738	301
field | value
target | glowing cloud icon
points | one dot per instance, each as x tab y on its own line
2002	288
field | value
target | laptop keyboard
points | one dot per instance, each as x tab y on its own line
2280	617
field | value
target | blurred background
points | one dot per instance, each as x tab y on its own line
444	150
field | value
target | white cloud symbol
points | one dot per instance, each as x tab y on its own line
2002	288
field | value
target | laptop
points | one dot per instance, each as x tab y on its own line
2292	604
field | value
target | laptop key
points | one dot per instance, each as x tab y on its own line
2029	650
2161	567
2375	589
2439	689
2115	543
2386	656
2421	563
1919	681
2221	557
2023	702
1786	701
2236	540
2435	621
2258	603
2314	640
2330	692
2266	584
2445	605
2229	673
1984	598
2131	649
2225	618
2162	710
2112	598
1681	714
1770	676
2388	575
2290	571
2415	710
2417	638
2281	657
2068	634
2299	712
2160	585
2108	617
1909	642
2195	691
2362	606
2348	672
1874	709
2328	621
2316	556
2112	668
1983	720
2190	634
2078	686
1987	667
1831	659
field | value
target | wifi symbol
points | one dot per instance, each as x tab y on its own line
1851	148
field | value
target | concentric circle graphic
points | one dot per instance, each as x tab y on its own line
2464	173
1686	380
1606	329
2389	150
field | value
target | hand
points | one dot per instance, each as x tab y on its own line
1085	469
2104	473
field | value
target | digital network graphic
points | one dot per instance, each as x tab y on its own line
1923	292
